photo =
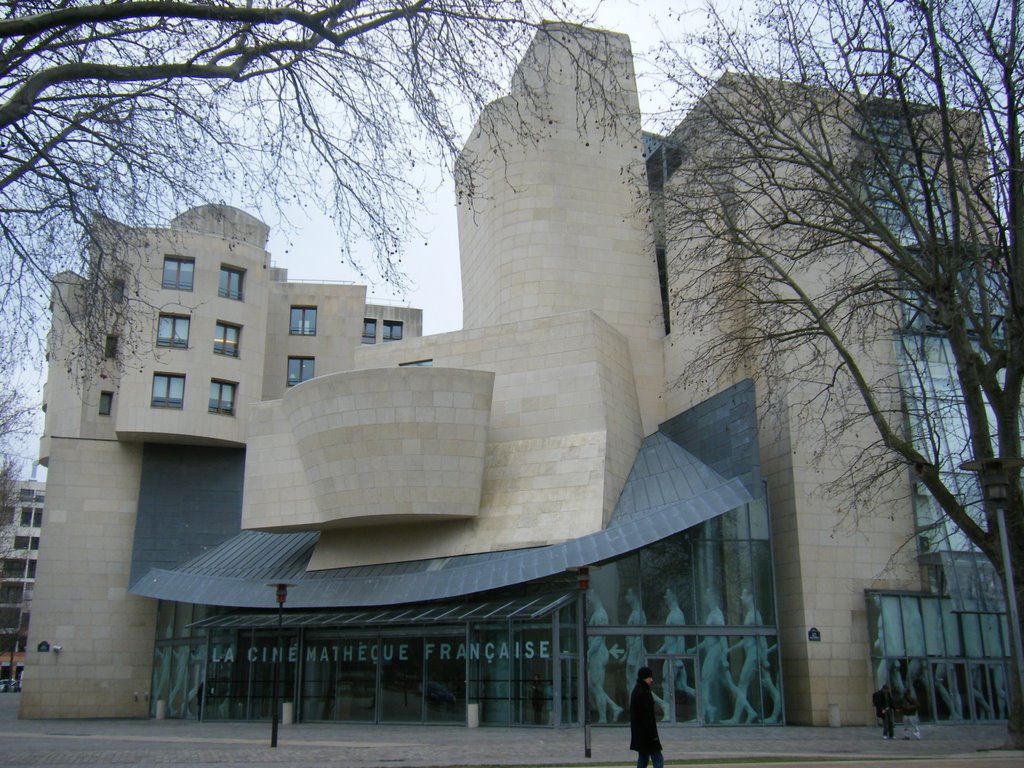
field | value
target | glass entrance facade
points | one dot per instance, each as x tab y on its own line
698	607
955	665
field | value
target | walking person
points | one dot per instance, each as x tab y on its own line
911	722
643	722
882	699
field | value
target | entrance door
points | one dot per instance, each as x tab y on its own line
675	691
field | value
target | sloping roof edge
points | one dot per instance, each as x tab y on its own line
458	576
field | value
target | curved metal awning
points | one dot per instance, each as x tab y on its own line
668	491
524	609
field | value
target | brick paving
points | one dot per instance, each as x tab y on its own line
165	743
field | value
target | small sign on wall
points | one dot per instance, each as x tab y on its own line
814	635
43	647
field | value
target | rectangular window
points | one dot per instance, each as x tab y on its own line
392	330
106	403
117	290
172	331
178	273
303	321
26	517
229	285
26	494
369	331
26	542
168	390
10	594
37	518
14	569
226	338
222	397
110	347
300	369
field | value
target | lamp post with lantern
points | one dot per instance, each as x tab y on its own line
994	476
280	594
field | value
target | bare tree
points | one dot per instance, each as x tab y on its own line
14	423
134	111
847	225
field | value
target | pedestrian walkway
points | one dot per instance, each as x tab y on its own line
172	743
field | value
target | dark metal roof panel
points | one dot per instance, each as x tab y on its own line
238	572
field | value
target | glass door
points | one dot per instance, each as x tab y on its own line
675	692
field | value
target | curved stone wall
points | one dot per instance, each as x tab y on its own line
392	445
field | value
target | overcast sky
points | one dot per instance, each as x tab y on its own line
309	250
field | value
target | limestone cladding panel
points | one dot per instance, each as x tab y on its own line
392	445
827	552
339	323
135	416
81	588
554	224
564	432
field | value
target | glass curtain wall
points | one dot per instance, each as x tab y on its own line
954	664
699	609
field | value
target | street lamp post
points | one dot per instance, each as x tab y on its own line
281	594
583	582
995	483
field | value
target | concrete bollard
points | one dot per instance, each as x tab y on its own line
472	715
161	709
833	716
287	713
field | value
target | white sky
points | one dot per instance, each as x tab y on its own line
310	249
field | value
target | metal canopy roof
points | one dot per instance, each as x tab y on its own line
668	491
448	613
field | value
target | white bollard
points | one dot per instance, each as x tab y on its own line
833	716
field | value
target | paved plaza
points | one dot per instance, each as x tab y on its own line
166	743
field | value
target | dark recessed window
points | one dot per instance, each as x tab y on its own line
303	321
417	364
106	403
178	273
369	331
172	331
226	338
392	330
300	369
168	390
222	397
117	290
110	347
229	285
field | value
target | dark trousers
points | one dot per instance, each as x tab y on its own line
888	723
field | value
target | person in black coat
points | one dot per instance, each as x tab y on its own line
643	722
884	709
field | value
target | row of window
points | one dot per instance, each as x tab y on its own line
19	568
29	518
179	274
391	331
169	392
